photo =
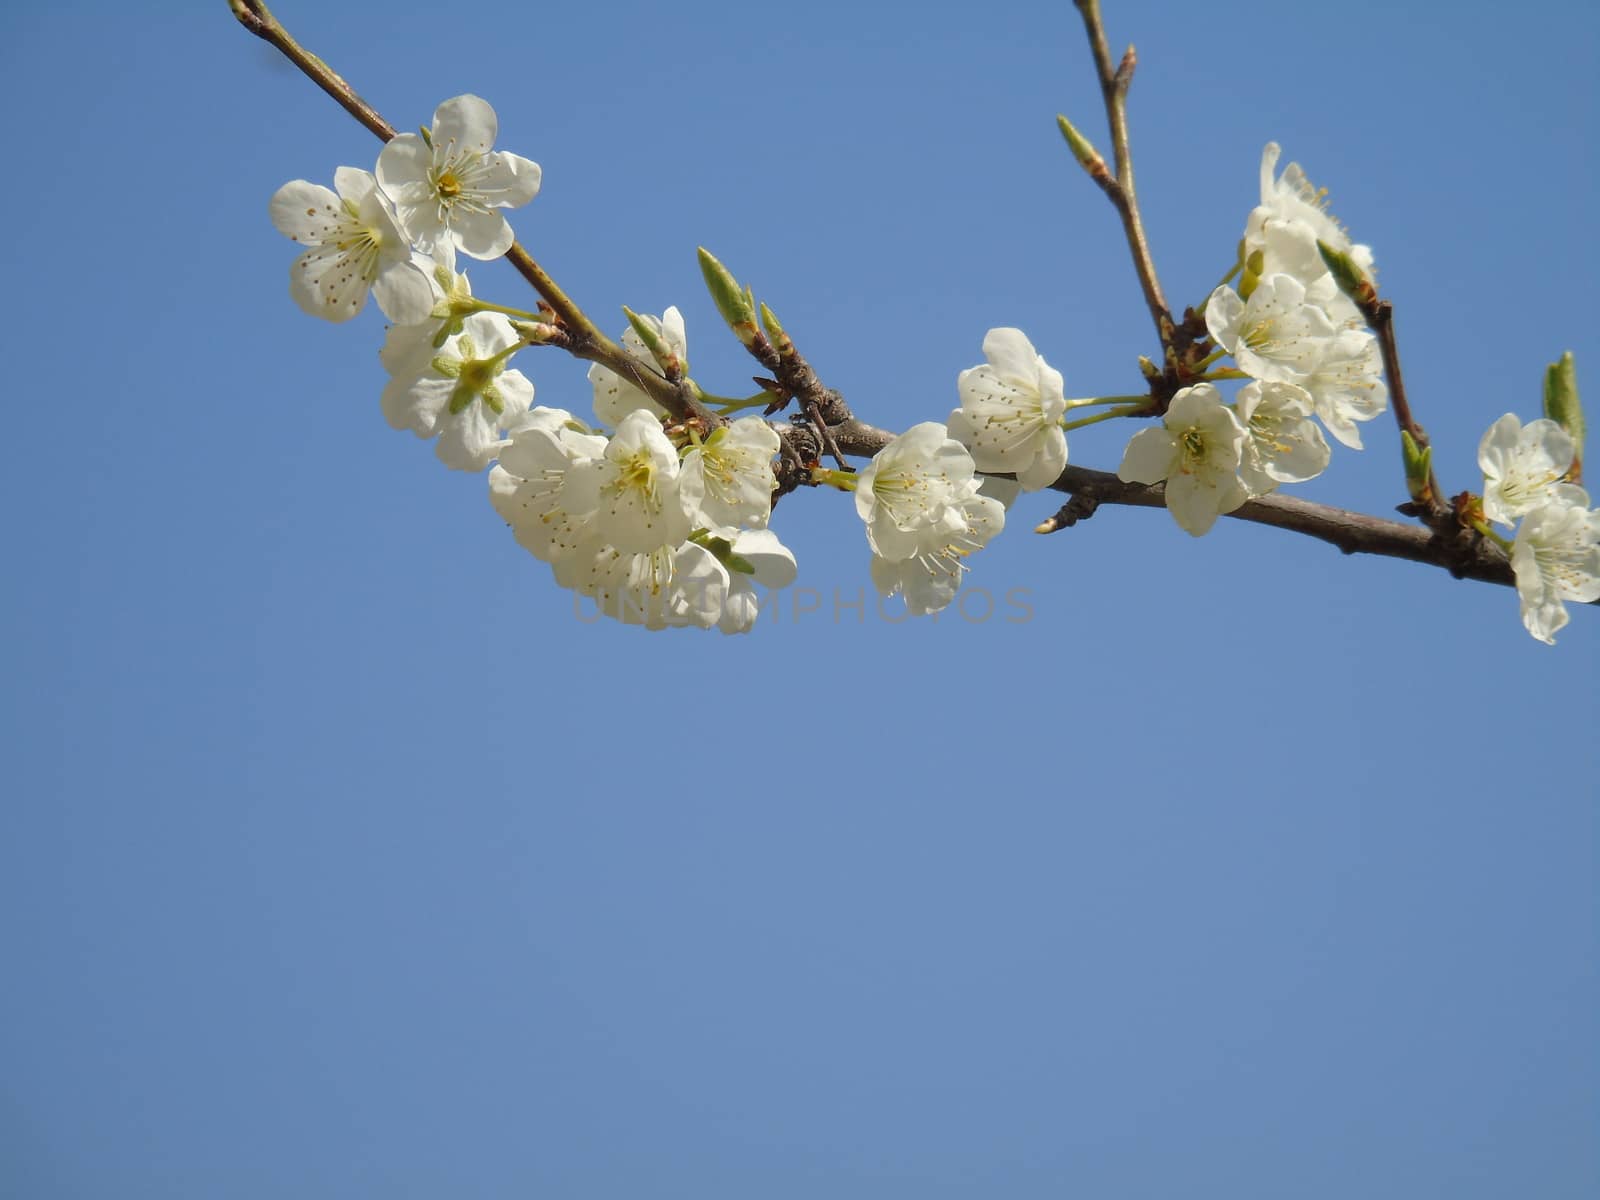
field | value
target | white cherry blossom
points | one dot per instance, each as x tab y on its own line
930	578
454	188
354	245
1011	410
1285	228
727	480
1556	558
634	588
408	347
1275	335
910	487
615	396
533	487
772	566
1196	452
464	395
723	593
1521	465
1346	384
1282	443
639	507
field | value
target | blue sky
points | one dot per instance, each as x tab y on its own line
339	859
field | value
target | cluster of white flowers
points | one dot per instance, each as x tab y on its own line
654	537
662	524
658	530
1299	339
924	514
1556	552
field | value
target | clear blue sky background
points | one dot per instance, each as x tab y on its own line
337	859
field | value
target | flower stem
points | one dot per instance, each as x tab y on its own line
1091	401
845	481
520	313
1141	409
1499	539
727	404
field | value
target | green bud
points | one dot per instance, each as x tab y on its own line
1253	266
1082	150
1352	280
781	341
1561	399
733	302
1419	465
669	362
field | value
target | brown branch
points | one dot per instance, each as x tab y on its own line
586	339
1114	83
1465	556
1380	316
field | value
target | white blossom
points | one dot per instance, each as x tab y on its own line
1521	465
924	514
464	395
1011	411
615	396
772	566
727	480
930	578
407	348
1282	444
1285	229
1275	335
634	588
533	487
910	487
1196	452
354	245
453	188
1556	558
640	508
724	594
1346	385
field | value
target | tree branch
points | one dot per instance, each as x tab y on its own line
1465	556
586	340
1114	91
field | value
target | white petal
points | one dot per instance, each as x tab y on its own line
1011	354
510	182
328	282
464	124
481	234
1047	466
404	293
306	212
1150	455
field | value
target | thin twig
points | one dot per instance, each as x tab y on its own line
1380	316
1114	83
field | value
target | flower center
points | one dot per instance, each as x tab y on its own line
637	473
449	185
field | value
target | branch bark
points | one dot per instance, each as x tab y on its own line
1465	557
1114	82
